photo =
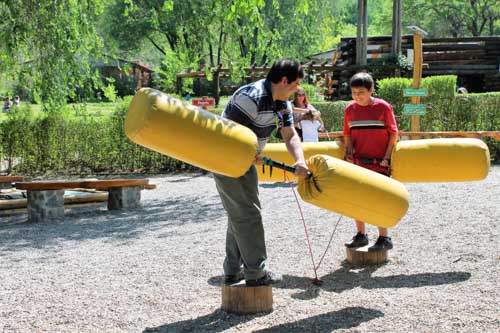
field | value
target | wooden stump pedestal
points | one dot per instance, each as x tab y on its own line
361	256
238	298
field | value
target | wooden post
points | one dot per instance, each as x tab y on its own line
365	33
417	76
362	33
361	256
238	298
216	84
359	32
204	107
454	134
178	84
396	27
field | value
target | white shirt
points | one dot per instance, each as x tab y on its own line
310	130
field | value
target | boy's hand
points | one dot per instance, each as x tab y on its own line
385	163
349	151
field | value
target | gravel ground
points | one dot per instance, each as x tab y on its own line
158	269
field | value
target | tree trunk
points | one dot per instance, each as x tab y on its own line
216	85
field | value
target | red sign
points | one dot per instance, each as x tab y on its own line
203	101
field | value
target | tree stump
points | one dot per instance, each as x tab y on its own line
361	256
240	299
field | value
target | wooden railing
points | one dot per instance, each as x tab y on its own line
452	134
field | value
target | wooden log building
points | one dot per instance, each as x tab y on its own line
475	60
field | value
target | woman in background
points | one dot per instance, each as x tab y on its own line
301	106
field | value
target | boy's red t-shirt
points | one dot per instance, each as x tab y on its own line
369	127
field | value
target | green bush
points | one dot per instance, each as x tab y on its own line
84	144
332	114
312	93
391	90
440	86
441	90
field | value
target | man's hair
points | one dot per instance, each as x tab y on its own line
362	80
288	68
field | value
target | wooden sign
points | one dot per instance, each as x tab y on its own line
414	109
415	92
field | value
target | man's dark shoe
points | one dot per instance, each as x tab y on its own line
382	243
269	278
232	279
358	240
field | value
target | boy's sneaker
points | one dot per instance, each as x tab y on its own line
358	240
269	278
232	279
382	243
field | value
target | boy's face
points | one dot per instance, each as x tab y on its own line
361	95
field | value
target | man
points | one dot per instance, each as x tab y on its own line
257	105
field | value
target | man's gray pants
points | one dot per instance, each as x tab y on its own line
245	242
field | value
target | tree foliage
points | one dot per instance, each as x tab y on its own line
454	18
235	34
46	45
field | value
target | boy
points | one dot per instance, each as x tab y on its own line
370	133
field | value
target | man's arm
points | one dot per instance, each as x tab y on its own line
292	141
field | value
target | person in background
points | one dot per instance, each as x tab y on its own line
17	100
301	106
7	105
370	133
257	106
310	124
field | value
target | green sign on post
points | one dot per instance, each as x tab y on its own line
414	109
415	92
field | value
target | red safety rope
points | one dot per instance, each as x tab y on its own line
305	229
316	280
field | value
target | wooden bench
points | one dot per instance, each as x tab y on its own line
6	181
46	199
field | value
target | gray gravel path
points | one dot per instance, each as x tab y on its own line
158	269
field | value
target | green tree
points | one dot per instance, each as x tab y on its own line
47	45
457	18
214	33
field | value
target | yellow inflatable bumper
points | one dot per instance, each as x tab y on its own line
440	160
429	160
179	130
354	191
278	152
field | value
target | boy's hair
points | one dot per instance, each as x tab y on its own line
362	80
289	68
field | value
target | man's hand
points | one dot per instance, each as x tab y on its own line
258	160
301	169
